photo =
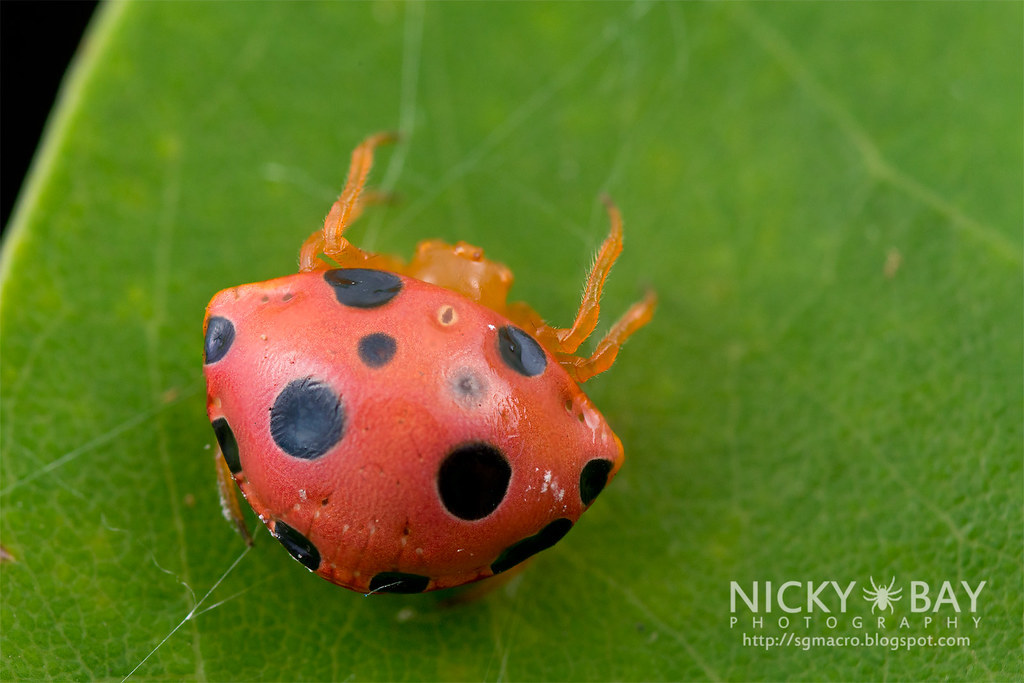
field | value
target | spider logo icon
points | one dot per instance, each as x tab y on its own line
883	596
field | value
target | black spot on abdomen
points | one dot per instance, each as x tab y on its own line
228	444
531	545
472	481
307	419
376	350
362	287
300	547
398	582
521	352
593	479
220	334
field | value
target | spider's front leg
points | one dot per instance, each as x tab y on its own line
638	315
330	241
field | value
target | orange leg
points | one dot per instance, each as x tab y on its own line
229	497
330	241
590	306
563	342
638	315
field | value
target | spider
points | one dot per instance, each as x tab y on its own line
882	597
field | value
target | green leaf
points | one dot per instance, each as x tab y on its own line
826	197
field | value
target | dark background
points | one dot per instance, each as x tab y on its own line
37	42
